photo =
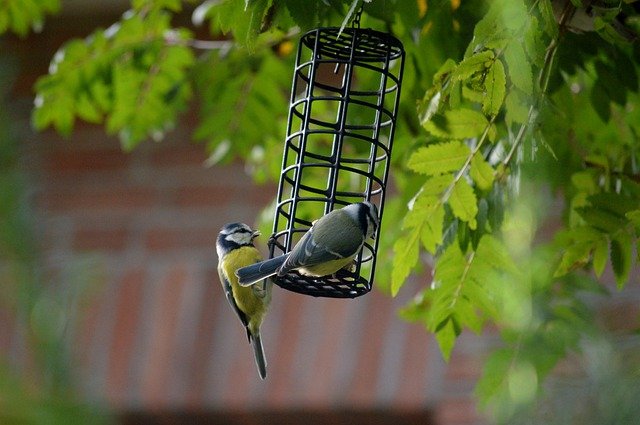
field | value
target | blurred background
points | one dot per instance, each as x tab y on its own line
111	310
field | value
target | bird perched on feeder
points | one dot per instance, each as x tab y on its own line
331	244
235	249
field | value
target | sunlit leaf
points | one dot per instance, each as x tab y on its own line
439	158
519	68
481	172
457	124
463	202
405	257
446	336
600	256
517	107
494	89
475	63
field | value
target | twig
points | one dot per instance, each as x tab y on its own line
544	76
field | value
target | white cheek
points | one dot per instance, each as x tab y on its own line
239	238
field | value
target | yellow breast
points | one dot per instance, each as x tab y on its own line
246	299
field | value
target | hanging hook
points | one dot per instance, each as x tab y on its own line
356	17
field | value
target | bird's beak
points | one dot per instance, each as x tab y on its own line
255	234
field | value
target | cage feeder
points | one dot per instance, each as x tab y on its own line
341	123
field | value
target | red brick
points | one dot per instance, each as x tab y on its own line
196	393
460	411
414	368
620	316
335	316
101	239
281	377
183	154
156	376
464	367
85	161
201	196
89	316
370	343
163	239
101	198
126	319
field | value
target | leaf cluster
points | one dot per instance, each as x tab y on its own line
22	16
132	77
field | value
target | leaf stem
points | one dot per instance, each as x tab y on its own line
543	77
465	272
463	169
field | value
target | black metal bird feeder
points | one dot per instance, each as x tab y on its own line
341	123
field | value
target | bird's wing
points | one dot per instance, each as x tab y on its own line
312	249
226	285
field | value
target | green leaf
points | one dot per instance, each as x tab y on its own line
473	95
481	172
615	203
495	82
519	67
426	212
405	257
607	77
494	375
600	255
517	107
476	63
578	243
457	124
612	33
600	100
459	295
604	220
634	217
429	106
132	79
439	158
249	27
239	93
574	257
446	336
495	254
173	5
548	18
87	110
584	181
533	42
463	202
621	258
444	71
20	16
431	234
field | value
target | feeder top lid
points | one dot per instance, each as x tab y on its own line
365	44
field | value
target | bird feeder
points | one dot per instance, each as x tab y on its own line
341	123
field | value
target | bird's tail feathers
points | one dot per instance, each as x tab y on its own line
249	275
258	352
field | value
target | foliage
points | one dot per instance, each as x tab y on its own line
514	98
21	16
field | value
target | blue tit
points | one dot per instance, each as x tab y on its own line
330	245
235	250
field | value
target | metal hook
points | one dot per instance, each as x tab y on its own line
356	17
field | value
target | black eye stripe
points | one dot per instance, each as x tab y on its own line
232	230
